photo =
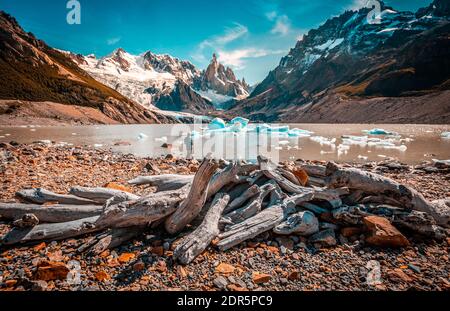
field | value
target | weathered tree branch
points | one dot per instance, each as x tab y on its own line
196	242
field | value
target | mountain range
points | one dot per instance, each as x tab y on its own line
36	78
348	70
165	82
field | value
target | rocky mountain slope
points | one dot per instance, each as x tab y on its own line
351	62
221	80
164	81
34	72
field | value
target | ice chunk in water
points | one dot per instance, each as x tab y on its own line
236	127
142	136
323	140
216	124
278	129
161	139
240	120
299	133
379	132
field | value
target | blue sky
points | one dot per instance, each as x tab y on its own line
248	35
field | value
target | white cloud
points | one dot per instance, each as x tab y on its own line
358	4
282	23
219	41
271	15
231	34
236	58
113	41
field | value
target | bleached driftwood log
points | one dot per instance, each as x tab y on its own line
244	197
252	208
222	178
42	196
163	182
380	185
50	213
314	170
52	232
289	175
127	214
111	239
262	222
142	212
193	204
196	242
101	195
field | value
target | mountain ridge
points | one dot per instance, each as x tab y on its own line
163	81
406	55
33	71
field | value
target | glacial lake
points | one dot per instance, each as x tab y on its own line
410	144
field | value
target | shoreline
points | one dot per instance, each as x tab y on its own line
152	268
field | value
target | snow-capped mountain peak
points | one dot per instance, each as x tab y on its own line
156	79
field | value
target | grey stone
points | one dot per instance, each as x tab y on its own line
220	282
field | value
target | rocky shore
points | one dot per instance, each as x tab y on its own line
268	262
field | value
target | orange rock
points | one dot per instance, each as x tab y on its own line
116	186
350	231
294	275
102	276
301	175
261	278
286	242
138	266
181	272
55	256
39	247
126	257
397	275
161	266
273	249
383	234
236	288
252	244
105	254
10	283
158	251
50	271
225	268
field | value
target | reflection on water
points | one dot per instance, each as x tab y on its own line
346	142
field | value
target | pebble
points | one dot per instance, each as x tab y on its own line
220	282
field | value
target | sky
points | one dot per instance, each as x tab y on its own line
250	36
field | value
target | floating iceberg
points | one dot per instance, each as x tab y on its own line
142	136
379	132
161	139
217	124
299	133
323	140
240	124
240	120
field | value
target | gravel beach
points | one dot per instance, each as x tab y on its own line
268	262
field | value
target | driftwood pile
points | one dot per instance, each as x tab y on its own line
225	204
